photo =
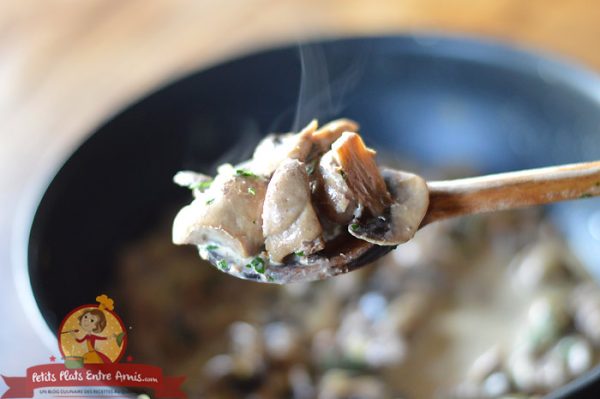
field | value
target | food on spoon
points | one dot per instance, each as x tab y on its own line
298	193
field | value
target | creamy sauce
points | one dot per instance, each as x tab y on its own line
480	310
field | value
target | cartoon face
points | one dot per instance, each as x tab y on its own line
88	322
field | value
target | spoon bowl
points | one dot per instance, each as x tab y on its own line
346	254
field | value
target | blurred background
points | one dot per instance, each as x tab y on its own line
65	66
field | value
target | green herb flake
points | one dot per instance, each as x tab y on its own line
210	201
258	264
270	279
586	195
212	247
244	173
251	191
354	227
203	185
222	264
310	168
299	253
341	171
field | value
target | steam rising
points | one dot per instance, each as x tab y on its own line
326	84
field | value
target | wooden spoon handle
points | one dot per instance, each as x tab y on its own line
512	190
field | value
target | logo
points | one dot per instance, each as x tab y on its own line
92	334
92	339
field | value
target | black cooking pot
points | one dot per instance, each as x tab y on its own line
431	101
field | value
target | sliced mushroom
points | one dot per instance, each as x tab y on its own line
290	223
229	213
402	219
276	148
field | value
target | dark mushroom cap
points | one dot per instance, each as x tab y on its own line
402	219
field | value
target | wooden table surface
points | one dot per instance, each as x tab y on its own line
65	65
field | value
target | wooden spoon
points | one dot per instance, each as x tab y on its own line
448	198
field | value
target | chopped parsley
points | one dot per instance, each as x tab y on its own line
299	253
202	185
251	191
212	247
258	264
244	173
222	264
270	278
210	201
310	168
354	227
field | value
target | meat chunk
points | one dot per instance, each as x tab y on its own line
290	223
276	148
229	213
333	196
349	179
330	132
358	167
